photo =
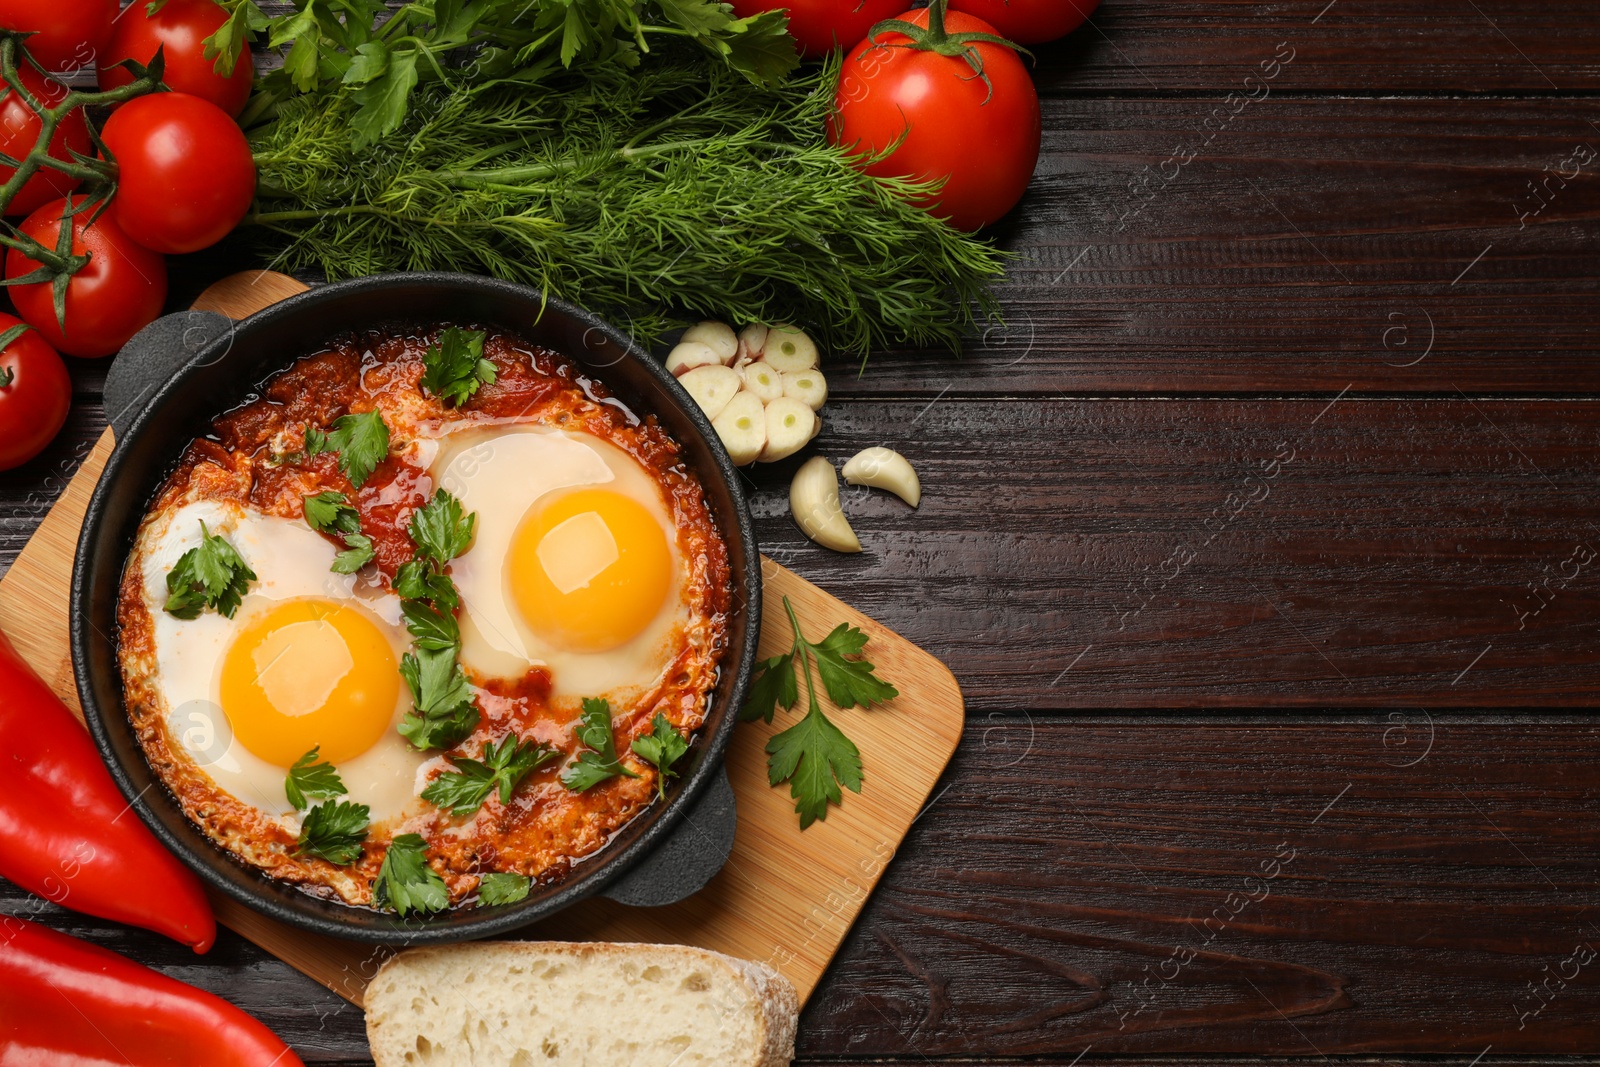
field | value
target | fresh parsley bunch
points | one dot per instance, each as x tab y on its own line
343	46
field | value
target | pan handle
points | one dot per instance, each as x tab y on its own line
153	356
683	864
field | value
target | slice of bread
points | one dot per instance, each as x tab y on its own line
560	1004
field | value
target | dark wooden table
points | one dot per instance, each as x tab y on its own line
1263	540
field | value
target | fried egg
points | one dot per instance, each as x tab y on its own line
309	660
574	565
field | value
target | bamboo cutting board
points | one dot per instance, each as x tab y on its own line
786	897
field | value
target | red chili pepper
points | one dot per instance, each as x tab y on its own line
68	1003
67	834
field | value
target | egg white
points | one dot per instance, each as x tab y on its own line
290	561
499	473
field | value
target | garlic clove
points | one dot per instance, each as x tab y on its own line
814	502
711	387
762	380
687	355
789	349
884	468
717	336
752	339
742	425
809	387
789	426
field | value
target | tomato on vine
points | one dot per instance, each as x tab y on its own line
20	128
67	34
35	393
1030	21
180	28
109	287
820	26
186	174
932	96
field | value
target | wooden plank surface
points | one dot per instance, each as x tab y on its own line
1310	248
1355	46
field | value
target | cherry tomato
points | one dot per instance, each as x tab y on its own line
979	133
68	33
35	393
19	132
116	295
181	27
820	26
1029	21
186	176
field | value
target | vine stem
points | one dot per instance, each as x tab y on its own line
60	260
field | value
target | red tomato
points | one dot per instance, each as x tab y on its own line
35	393
116	295
182	27
19	132
982	137
68	33
823	25
1029	21
186	176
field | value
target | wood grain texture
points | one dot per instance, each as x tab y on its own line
1307	246
1167	553
1427	870
786	896
1351	46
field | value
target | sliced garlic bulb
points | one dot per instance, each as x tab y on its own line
742	425
789	426
762	380
808	386
789	349
717	336
687	355
711	387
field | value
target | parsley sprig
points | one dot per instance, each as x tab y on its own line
503	888
334	831
454	368
443	713
502	767
362	442
330	512
662	746
310	777
600	762
405	882
814	756
210	575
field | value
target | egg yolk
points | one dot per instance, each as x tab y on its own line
309	673
589	569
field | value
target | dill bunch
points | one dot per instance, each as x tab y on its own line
647	196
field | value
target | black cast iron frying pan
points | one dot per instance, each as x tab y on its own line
183	371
